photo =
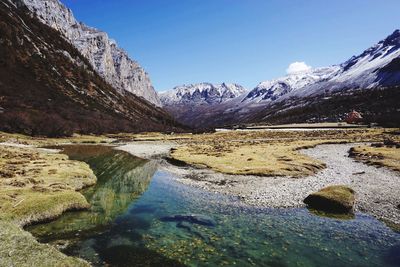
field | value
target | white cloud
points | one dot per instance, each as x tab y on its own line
297	67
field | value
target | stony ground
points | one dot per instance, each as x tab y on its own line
377	189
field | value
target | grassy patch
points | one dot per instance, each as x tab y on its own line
256	159
38	141
388	156
336	199
19	248
36	186
267	153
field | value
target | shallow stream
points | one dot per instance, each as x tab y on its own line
132	223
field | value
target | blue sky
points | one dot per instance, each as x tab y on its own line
241	41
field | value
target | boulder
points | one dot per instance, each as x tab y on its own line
333	199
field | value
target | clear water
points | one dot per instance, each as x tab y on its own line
124	226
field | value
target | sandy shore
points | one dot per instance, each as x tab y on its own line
377	189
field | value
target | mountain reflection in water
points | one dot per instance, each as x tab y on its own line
141	216
122	178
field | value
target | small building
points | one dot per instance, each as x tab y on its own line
354	117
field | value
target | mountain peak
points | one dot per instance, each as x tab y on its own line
273	89
108	60
201	93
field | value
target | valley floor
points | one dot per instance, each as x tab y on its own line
264	168
377	189
291	168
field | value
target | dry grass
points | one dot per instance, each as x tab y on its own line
378	156
36	186
19	248
151	136
309	125
277	159
38	141
269	153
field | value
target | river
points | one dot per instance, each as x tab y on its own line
140	216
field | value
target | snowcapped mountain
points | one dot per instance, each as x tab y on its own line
376	67
201	93
272	90
367	70
368	82
110	61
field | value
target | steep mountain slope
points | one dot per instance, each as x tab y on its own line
370	69
368	82
272	90
48	88
110	61
186	101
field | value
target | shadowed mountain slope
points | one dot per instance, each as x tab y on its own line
48	88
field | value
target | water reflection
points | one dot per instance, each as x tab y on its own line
125	226
122	178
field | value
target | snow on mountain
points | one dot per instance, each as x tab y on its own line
273	89
110	61
376	68
368	70
201	93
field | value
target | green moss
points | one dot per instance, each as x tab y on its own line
335	199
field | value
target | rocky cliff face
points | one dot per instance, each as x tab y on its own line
110	61
48	88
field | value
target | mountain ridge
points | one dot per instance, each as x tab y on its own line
48	88
376	68
110	61
202	93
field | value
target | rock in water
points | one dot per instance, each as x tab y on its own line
335	199
192	218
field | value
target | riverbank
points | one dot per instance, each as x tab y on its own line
37	185
376	196
328	164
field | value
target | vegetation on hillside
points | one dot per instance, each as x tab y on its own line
48	88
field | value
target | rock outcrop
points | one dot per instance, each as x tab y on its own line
48	88
110	61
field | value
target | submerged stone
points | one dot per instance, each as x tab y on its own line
335	199
192	218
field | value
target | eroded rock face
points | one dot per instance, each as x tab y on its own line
110	61
334	199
